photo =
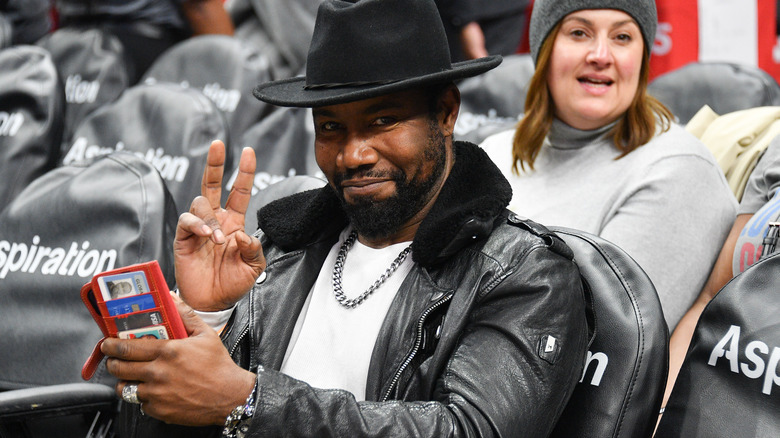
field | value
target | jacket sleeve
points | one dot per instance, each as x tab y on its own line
516	361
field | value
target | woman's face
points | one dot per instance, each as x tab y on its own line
594	67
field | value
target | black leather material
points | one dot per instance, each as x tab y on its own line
284	147
728	385
281	30
29	19
73	410
6	31
225	69
725	87
31	120
167	125
56	400
65	227
495	100
93	67
626	368
278	190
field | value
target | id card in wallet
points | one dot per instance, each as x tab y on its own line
130	303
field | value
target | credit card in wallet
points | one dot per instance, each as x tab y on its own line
138	320
157	332
122	285
132	304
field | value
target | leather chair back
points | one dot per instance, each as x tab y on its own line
66	226
284	147
93	67
281	30
31	121
225	69
729	383
169	126
494	101
725	87
623	381
286	187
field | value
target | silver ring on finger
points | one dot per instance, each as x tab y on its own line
130	393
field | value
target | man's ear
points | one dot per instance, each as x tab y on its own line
448	106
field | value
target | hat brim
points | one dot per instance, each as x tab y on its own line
292	92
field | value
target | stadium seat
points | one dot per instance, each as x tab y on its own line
725	87
169	126
494	101
93	67
285	187
225	69
284	147
623	381
280	30
729	383
31	120
68	225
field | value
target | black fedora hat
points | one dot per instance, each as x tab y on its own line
367	48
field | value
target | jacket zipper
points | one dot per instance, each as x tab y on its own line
416	348
249	324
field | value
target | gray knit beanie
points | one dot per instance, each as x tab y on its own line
547	13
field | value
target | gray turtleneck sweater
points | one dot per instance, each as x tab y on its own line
667	204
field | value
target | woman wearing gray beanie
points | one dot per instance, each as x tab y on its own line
595	152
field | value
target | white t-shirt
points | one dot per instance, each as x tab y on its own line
331	345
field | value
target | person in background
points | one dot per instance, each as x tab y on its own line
745	245
402	299
477	28
596	153
147	28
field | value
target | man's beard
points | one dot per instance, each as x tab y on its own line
377	219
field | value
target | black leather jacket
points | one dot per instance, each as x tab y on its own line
486	337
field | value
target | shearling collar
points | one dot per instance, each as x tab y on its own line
474	194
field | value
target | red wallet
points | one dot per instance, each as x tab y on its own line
130	302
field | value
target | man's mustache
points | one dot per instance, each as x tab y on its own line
396	175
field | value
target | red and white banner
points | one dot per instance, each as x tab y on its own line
740	31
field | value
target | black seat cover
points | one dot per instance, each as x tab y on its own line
728	385
281	30
494	101
68	225
167	125
225	69
31	121
725	87
284	146
285	187
93	68
625	372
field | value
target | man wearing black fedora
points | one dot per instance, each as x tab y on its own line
402	299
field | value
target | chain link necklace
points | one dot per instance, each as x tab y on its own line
338	269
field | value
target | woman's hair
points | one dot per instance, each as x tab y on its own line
636	127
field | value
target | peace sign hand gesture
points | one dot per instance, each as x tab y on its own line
216	261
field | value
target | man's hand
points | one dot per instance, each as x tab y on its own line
216	261
189	381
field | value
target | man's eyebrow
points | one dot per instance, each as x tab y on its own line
318	112
389	104
384	105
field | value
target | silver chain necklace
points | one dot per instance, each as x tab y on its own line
338	269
